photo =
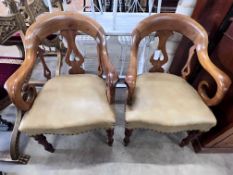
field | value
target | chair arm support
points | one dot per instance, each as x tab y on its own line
131	76
222	80
111	74
21	93
111	80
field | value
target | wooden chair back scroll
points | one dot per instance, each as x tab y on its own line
69	24
164	24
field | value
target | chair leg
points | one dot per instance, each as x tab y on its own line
41	139
110	133
14	144
6	123
191	136
128	133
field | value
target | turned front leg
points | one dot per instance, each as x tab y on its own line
41	139
110	133
191	136
128	133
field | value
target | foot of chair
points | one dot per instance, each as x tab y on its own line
110	133
191	136
9	125
41	139
15	136
128	133
22	159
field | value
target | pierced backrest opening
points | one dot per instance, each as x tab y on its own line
164	25
73	25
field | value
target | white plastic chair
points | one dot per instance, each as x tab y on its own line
85	40
125	41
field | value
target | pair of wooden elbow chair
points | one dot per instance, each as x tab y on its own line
72	104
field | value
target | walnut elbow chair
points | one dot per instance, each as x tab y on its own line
164	102
63	105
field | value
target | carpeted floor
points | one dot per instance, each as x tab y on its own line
148	153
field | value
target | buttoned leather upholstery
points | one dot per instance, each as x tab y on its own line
69	105
167	103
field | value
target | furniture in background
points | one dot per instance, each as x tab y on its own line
125	41
167	6
115	25
13	27
215	17
84	40
149	103
24	12
220	139
52	45
9	26
63	105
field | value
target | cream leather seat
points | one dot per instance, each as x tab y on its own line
167	103
69	105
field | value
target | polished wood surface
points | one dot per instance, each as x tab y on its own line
65	22
157	64
192	30
210	15
23	93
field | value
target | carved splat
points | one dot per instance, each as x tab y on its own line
47	72
100	68
157	64
186	69
8	27
71	47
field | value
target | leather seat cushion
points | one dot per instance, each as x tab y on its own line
69	105
167	103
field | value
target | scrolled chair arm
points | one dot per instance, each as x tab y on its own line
111	74
131	76
222	80
20	92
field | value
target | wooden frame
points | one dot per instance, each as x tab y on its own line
164	24
69	24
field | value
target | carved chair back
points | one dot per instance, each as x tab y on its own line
9	25
163	25
33	9
69	25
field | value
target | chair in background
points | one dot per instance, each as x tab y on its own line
9	26
52	45
84	40
63	104
16	8
164	102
